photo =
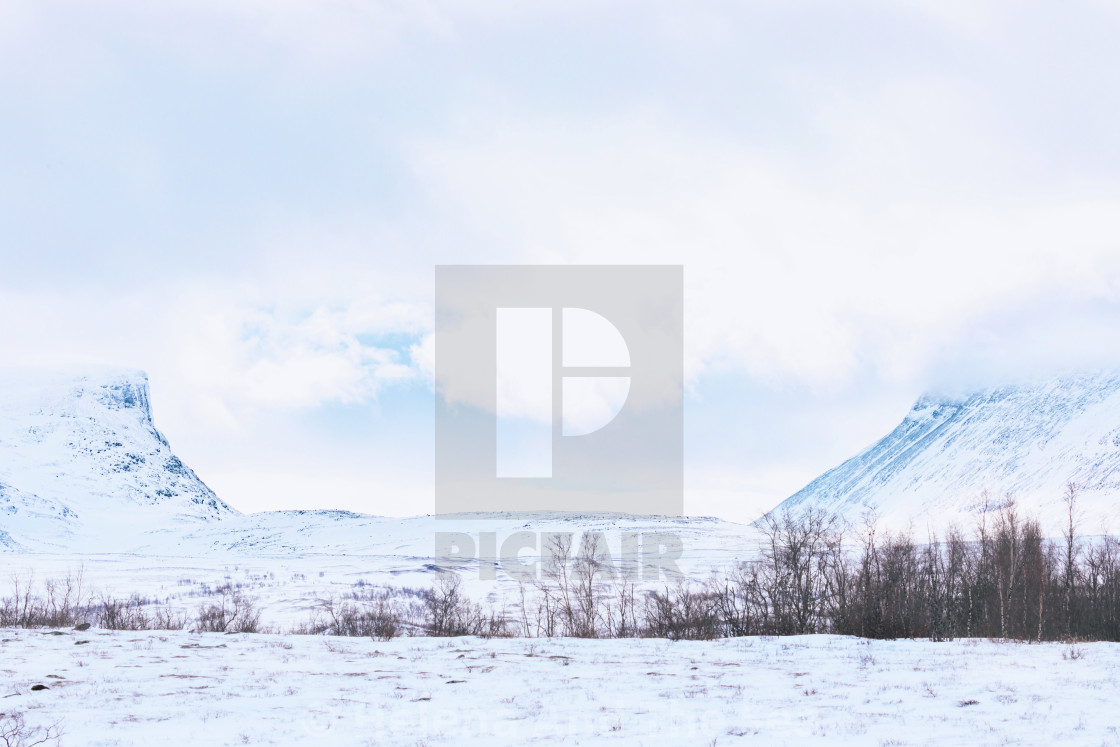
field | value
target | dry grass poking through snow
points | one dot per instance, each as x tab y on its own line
172	688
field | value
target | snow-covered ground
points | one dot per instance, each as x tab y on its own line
342	553
185	688
286	590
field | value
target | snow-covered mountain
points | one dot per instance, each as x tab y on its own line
84	470
1026	441
80	458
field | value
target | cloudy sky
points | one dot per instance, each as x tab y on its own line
246	198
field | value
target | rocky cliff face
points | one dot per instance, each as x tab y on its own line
81	456
1025	441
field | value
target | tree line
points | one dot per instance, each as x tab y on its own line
1006	578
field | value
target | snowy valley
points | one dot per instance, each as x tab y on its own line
92	495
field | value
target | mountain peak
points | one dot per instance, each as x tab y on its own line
80	456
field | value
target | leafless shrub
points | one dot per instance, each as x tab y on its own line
231	613
14	732
740	601
621	612
315	625
138	613
377	618
682	613
58	603
123	614
448	611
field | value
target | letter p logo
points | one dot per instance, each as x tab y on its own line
594	383
559	388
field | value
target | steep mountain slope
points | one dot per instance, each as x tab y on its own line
1025	441
81	459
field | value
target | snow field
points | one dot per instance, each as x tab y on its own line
124	688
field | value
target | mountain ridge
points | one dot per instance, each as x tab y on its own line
1023	441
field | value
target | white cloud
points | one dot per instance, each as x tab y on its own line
786	275
247	198
255	357
423	356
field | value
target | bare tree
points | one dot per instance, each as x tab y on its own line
795	547
557	613
1008	559
1069	535
587	588
449	612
